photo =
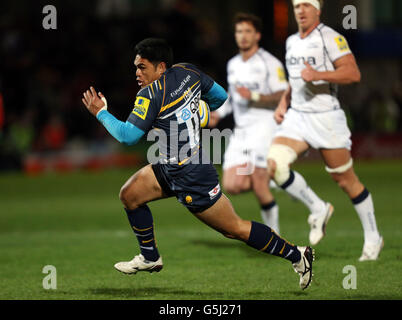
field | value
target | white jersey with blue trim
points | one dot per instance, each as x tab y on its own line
321	48
262	73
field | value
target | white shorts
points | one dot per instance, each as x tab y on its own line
324	130
250	145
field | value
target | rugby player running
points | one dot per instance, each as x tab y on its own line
318	59
168	102
255	77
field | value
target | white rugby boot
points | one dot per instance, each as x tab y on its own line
371	251
305	266
139	263
318	223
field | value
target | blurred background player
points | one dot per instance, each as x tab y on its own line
255	79
168	101
318	59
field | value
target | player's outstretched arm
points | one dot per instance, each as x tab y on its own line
346	72
124	132
283	105
221	113
93	101
261	101
216	96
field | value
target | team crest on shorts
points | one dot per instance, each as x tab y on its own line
214	192
141	106
189	199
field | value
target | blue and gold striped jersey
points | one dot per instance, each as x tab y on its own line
169	107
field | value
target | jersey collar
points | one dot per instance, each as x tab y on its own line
312	31
251	57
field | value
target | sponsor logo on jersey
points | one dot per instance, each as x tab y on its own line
185	114
256	70
313	45
188	94
181	86
189	110
342	43
300	60
141	106
248	85
214	192
281	74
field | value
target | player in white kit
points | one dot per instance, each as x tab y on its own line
318	59
255	79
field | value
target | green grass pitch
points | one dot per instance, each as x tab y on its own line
76	223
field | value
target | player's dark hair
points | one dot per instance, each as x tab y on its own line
248	17
155	50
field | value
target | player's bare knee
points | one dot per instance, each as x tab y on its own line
127	198
227	184
123	196
344	176
243	185
271	167
260	182
237	186
283	156
230	188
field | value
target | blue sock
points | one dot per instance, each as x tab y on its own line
263	238
142	224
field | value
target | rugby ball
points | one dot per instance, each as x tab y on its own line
204	111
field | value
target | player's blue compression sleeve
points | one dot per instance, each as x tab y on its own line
216	96
124	132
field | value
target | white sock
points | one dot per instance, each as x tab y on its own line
297	187
270	216
365	209
273	185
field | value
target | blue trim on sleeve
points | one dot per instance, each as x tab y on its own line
124	132
216	96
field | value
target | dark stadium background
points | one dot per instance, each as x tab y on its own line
44	126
